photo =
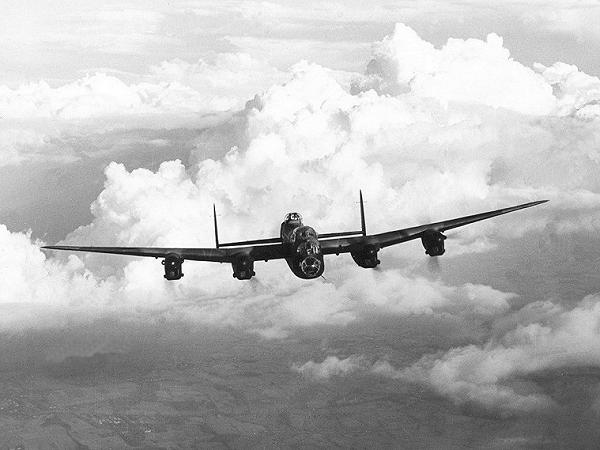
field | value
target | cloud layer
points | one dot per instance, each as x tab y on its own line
426	150
172	87
498	376
36	118
66	37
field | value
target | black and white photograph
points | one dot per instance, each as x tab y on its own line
278	224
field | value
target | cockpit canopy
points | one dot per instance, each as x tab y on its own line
293	217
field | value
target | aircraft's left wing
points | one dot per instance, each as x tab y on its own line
257	252
381	240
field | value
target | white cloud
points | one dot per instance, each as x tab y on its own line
545	336
494	376
471	71
38	293
478	72
149	208
401	149
330	367
173	94
394	292
489	396
173	87
577	93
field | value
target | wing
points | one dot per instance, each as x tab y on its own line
349	244
257	253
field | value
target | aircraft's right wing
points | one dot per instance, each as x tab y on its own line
256	252
381	240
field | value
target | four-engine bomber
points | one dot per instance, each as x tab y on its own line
301	246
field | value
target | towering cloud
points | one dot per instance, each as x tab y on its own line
471	71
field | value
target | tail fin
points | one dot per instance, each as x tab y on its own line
362	215
216	228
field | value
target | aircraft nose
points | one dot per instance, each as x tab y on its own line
310	265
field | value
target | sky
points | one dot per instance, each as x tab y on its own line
121	123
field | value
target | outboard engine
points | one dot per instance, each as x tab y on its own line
173	263
366	257
243	267
433	241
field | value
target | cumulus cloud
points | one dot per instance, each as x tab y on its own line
480	72
376	141
545	336
467	154
471	70
38	293
577	93
331	366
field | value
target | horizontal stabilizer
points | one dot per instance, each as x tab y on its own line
255	242
343	233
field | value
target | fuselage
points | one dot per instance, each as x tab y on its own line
303	242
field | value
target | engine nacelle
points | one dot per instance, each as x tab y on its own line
243	267
173	263
366	257
433	242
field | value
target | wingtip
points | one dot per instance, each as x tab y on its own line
55	247
535	203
